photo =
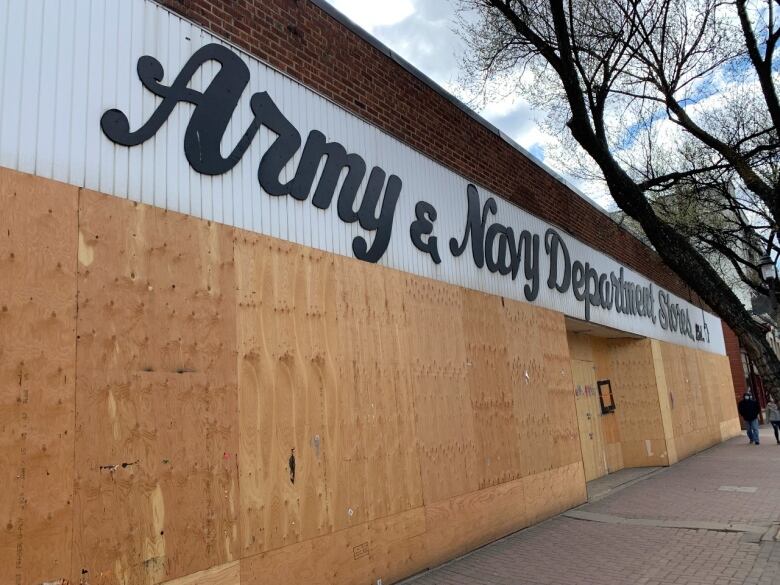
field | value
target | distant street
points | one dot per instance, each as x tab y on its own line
712	519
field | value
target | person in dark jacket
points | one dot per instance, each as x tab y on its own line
748	409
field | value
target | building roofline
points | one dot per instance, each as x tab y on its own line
403	63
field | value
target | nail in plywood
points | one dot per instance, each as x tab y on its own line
156	441
37	376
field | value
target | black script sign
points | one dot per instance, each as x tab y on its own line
213	109
497	246
505	250
595	289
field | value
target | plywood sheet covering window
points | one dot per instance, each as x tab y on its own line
542	388
37	377
324	381
700	398
438	367
185	402
490	389
633	380
157	490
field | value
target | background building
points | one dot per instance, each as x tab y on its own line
294	315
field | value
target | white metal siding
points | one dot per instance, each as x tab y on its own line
63	63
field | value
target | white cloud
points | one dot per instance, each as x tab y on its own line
371	15
423	32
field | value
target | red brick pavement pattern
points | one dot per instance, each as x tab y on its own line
689	490
567	551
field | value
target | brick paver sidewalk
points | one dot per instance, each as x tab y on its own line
712	519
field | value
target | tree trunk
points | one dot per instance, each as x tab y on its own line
678	253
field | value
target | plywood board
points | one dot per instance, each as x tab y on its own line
490	389
542	388
554	491
323	378
664	402
375	425
700	396
341	557
37	376
438	369
462	523
634	386
594	456
227	574
423	419
286	370
157	493
397	546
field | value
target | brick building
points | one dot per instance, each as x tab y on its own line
275	308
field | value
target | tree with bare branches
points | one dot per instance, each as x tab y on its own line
659	97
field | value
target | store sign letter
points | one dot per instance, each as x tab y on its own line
213	109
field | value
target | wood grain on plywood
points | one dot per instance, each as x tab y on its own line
489	380
286	370
156	441
443	422
594	455
227	574
701	400
320	419
634	384
38	247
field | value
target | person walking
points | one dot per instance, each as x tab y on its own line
773	416
748	409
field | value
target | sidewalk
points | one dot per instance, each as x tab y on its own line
712	519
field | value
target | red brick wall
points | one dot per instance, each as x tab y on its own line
735	360
300	39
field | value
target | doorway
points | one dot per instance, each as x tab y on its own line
586	397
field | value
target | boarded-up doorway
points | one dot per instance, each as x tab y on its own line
594	457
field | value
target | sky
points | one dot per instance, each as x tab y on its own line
424	33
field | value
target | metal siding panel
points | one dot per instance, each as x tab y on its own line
79	85
28	110
5	9
47	93
61	128
109	93
93	85
135	101
12	85
63	65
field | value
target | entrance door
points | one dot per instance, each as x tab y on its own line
586	395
